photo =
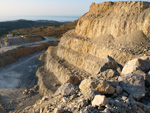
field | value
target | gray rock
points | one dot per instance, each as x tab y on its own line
109	63
118	90
148	79
134	84
66	89
88	109
109	74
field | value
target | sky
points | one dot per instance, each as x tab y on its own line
22	8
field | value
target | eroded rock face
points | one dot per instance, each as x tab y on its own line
115	18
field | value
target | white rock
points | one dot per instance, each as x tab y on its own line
99	100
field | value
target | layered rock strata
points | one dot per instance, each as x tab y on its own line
117	29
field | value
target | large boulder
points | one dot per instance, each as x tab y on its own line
99	85
133	84
142	63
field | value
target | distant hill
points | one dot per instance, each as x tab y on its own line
7	26
49	31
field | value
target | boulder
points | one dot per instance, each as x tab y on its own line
133	84
146	76
118	90
109	63
66	89
142	63
88	84
109	74
100	100
99	85
72	79
104	88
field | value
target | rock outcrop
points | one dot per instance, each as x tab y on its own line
91	57
22	40
8	56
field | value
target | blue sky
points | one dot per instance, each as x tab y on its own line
45	7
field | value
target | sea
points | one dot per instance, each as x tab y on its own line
47	17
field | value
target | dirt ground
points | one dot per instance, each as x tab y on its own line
17	77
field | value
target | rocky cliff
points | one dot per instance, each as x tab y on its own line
89	59
117	29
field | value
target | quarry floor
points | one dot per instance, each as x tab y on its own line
15	78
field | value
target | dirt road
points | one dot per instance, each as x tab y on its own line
16	77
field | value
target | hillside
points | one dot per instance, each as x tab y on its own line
7	26
49	31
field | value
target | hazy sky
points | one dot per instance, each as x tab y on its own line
45	7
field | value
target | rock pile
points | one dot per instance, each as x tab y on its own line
127	93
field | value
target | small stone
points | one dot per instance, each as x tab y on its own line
118	90
72	79
113	83
83	103
131	98
58	110
140	110
45	98
41	110
139	104
124	98
57	84
100	108
106	110
100	100
107	106
114	95
64	99
109	63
